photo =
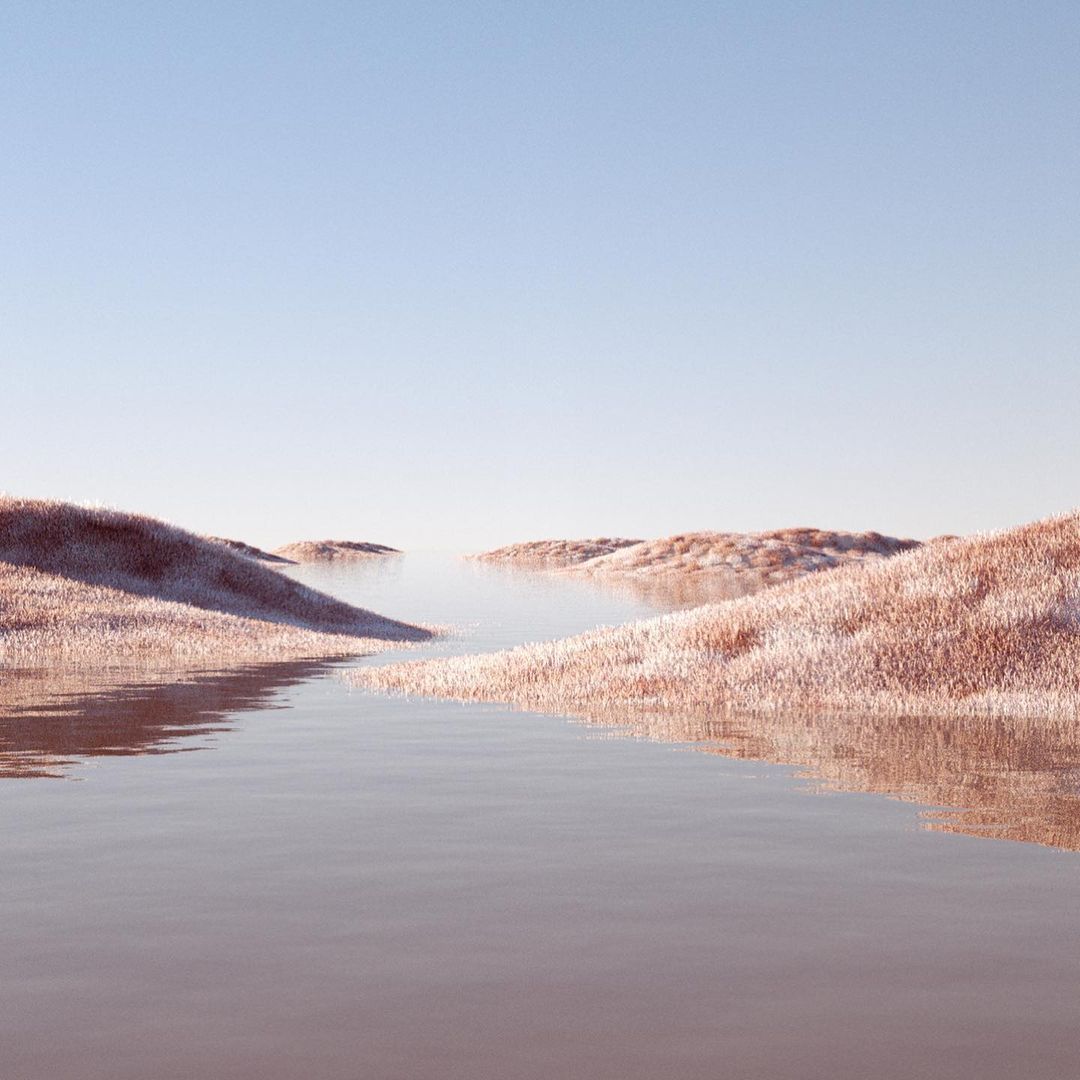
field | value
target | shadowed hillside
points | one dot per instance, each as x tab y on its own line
94	582
982	625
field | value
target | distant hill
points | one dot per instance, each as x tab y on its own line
99	583
555	553
986	625
771	556
702	565
324	550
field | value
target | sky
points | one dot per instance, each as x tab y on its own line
451	275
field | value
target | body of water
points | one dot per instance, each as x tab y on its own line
260	873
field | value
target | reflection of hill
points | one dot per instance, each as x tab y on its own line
674	592
1015	779
51	721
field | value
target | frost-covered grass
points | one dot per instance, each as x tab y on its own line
98	584
982	625
325	550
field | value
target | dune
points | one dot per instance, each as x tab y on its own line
99	584
984	625
554	553
251	551
325	550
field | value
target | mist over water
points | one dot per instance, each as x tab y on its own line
337	884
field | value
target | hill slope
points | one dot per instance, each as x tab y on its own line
99	582
986	624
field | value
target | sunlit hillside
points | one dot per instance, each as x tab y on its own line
986	624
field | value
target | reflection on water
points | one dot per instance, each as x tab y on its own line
1010	779
52	720
361	886
674	592
660	591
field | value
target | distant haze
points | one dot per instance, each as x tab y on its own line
459	275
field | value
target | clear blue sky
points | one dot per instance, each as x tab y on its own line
455	274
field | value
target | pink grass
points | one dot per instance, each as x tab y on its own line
988	625
91	583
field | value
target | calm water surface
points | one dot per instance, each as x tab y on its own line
337	885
